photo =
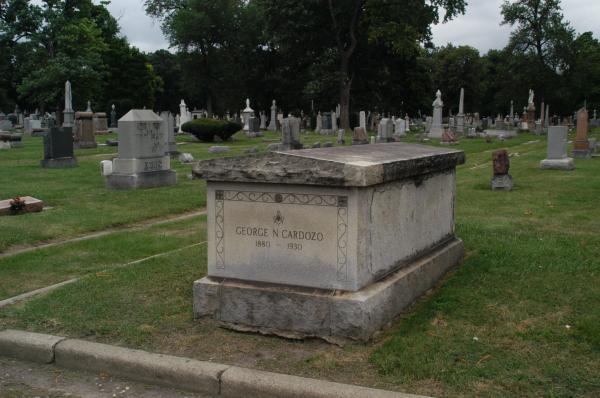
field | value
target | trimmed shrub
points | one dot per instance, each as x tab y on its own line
206	129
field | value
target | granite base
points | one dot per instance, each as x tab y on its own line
557	164
502	183
334	316
152	179
59	163
581	153
85	145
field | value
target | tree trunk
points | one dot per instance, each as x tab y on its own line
345	88
346	51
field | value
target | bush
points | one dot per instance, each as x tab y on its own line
206	129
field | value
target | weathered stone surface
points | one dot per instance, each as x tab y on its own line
581	147
437	129
288	229
501	162
340	166
557	150
557	164
219	149
142	160
334	316
325	237
100	123
168	125
557	142
32	205
151	179
360	136
83	134
58	148
501	132
448	138
502	182
186	158
385	130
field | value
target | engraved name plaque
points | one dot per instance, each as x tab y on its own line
280	237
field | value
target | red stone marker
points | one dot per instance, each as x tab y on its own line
31	205
502	181
581	148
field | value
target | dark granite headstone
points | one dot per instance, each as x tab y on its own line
327	123
58	148
254	124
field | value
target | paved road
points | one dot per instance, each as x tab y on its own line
26	380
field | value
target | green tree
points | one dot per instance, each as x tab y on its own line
454	68
18	21
211	37
582	77
168	67
335	30
540	29
48	42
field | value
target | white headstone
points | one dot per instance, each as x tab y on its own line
273	121
184	117
106	167
142	162
437	129
319	123
363	120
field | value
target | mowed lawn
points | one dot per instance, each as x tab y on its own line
519	317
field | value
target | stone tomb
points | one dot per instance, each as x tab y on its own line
58	149
84	130
100	122
557	150
332	242
143	161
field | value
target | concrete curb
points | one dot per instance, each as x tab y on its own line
33	347
249	383
176	372
164	370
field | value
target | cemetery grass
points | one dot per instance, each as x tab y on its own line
519	317
77	200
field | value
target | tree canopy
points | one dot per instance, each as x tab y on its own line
46	43
309	55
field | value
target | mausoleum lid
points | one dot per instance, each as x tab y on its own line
353	166
137	115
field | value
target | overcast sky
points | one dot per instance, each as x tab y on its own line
479	27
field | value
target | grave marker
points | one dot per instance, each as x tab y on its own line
142	161
58	149
557	158
297	239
